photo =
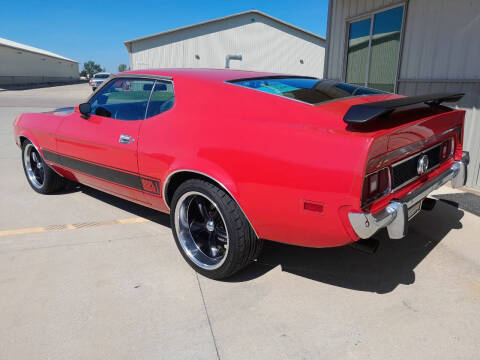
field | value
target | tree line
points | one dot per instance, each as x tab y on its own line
91	67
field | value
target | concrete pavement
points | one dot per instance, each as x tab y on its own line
89	286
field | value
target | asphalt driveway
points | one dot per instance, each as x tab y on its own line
84	275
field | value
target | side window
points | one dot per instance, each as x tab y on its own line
162	98
123	99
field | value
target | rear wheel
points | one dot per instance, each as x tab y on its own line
211	231
39	175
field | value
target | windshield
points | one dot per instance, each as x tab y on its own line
309	90
101	76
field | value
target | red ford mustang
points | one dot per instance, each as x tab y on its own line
237	157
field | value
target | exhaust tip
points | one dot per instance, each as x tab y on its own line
428	204
368	246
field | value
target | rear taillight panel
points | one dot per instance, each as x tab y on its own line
396	176
376	185
446	149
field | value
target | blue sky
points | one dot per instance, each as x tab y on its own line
96	30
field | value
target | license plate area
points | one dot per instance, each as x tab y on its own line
414	210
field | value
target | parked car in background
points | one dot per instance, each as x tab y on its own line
236	157
98	79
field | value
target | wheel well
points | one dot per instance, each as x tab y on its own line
22	139
180	177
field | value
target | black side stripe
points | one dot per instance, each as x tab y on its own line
102	172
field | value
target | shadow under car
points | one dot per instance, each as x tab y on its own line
392	264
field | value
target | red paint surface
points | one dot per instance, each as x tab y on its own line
270	152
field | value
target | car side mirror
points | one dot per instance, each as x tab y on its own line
85	109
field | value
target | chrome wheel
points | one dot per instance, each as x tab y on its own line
34	166
201	230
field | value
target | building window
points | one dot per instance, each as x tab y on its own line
373	49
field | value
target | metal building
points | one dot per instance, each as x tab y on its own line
250	40
23	64
411	47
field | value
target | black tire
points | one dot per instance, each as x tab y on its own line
243	244
50	181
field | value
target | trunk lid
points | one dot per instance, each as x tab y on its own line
399	138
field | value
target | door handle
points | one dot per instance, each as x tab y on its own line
125	139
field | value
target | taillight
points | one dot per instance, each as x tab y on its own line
376	185
460	134
446	149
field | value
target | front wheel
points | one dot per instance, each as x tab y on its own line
39	175
211	231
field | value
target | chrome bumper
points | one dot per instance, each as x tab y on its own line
395	216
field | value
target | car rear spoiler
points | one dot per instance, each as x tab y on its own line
364	113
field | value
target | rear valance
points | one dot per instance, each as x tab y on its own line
364	113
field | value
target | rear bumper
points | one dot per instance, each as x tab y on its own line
396	215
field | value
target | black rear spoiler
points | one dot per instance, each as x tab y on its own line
364	113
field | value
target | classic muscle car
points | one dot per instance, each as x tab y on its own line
236	157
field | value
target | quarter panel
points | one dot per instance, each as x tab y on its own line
271	153
277	169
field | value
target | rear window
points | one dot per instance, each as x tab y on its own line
306	89
101	76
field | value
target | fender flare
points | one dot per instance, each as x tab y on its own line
38	148
219	183
31	138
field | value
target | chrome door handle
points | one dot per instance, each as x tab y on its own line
125	139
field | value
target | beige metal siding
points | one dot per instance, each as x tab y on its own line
441	52
446	57
470	103
442	40
264	44
22	67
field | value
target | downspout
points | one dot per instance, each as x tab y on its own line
231	57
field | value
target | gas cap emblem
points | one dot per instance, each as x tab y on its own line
422	165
